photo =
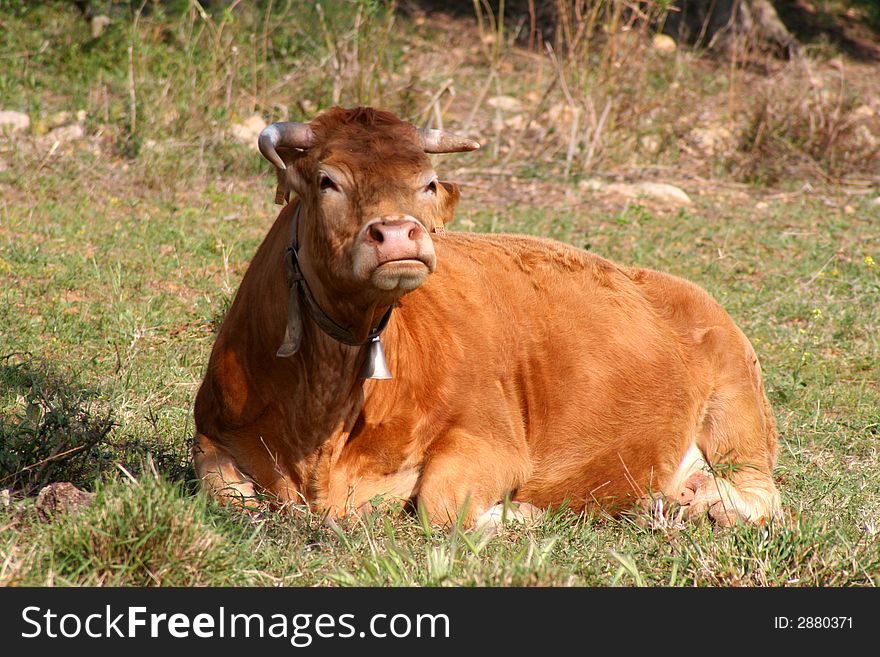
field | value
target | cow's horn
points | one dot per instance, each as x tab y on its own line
437	141
285	134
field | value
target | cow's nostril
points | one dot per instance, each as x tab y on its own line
412	233
376	233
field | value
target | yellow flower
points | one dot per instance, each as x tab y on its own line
870	261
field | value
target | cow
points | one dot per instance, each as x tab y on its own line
370	355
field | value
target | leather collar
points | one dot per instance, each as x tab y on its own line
322	319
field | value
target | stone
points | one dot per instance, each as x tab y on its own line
650	144
664	43
506	103
59	119
66	133
863	112
592	185
712	140
515	122
14	121
664	192
248	130
559	116
98	24
62	497
660	192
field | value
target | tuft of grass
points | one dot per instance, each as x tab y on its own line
144	532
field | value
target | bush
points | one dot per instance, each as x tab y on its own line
54	433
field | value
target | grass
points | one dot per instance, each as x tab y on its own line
119	255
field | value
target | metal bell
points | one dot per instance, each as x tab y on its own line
375	366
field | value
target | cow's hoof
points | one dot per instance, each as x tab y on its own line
510	512
727	505
724	516
689	490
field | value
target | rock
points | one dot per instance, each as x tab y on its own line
308	107
66	133
59	498
712	140
592	185
248	130
98	24
506	103
63	118
14	121
661	192
863	112
864	137
515	122
664	192
59	119
5	498
559	116
664	43
650	144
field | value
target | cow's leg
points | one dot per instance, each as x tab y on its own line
223	477
737	440
690	476
468	476
220	476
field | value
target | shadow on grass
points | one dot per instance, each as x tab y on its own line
854	27
54	429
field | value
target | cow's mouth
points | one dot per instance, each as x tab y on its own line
404	274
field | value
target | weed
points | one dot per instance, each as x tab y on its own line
56	432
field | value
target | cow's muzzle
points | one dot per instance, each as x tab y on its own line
398	251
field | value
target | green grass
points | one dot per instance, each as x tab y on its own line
116	266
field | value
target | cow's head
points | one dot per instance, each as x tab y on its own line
370	200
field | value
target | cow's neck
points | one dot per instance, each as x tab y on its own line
363	323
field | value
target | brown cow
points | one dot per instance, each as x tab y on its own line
523	368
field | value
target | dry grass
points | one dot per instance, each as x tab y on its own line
807	124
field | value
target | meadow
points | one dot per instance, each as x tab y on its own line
125	229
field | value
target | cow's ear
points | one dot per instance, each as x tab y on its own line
289	179
449	201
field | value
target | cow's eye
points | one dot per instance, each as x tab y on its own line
326	184
431	187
